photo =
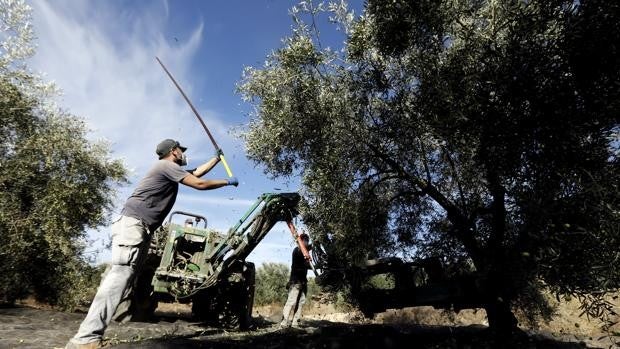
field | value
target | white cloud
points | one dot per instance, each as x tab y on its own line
103	58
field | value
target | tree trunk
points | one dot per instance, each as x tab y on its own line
501	319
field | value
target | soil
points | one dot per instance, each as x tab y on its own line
33	326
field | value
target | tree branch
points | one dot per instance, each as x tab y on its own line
464	228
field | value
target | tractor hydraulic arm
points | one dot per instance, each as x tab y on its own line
251	229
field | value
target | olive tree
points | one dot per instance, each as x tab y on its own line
483	132
54	182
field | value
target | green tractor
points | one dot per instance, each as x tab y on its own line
189	263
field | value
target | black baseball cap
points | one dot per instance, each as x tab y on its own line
164	147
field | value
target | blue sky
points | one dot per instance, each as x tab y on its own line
101	54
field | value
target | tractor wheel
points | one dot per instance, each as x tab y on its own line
230	306
203	308
247	295
236	311
228	314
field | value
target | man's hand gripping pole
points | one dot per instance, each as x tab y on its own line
217	147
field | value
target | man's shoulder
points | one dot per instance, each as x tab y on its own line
170	170
166	164
163	168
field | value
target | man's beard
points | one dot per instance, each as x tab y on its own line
182	161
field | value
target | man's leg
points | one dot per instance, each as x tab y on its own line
293	293
104	304
129	237
301	300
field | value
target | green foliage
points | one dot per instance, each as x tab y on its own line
463	129
271	279
54	184
381	282
85	281
314	290
342	299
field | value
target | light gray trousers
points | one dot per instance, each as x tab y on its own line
295	301
130	241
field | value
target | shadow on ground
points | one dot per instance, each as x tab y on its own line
22	327
325	334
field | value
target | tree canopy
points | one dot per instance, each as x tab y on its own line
54	182
482	131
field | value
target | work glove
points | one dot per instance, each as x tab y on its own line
233	181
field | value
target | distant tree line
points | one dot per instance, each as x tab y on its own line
271	281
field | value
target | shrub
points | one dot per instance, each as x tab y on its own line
271	279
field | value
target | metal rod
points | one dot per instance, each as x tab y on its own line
217	147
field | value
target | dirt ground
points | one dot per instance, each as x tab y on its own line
323	327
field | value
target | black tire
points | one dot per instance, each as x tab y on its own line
230	305
247	295
236	311
203	308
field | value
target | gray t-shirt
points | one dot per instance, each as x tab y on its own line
156	193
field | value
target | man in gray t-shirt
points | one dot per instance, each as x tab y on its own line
152	200
144	211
